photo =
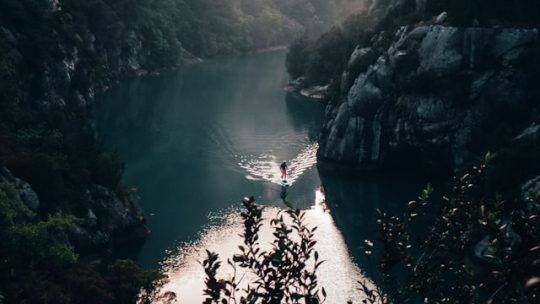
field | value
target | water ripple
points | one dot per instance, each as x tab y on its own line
265	167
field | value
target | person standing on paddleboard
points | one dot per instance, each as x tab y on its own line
283	169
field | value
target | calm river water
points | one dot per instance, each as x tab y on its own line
199	140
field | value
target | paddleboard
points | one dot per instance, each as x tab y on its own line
285	183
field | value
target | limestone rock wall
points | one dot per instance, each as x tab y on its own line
436	96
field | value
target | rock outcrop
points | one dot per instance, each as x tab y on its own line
27	194
77	65
315	93
437	95
107	221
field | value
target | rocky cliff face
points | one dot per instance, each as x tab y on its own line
75	50
73	79
50	75
437	96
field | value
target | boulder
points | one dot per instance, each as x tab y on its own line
112	213
91	218
87	240
108	221
441	18
27	194
359	56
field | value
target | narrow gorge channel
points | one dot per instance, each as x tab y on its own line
197	141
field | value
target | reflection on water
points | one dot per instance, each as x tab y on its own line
339	275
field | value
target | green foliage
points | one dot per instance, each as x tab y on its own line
488	158
12	210
39	242
426	194
39	265
477	249
31	247
30	241
282	274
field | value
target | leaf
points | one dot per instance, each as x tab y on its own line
532	281
487	158
534	248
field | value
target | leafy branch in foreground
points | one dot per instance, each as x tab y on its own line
283	274
476	249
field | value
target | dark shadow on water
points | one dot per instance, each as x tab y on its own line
354	201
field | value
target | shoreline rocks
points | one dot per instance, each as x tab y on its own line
314	93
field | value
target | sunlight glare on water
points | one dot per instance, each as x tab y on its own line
338	274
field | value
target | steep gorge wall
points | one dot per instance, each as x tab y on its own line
437	95
51	72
